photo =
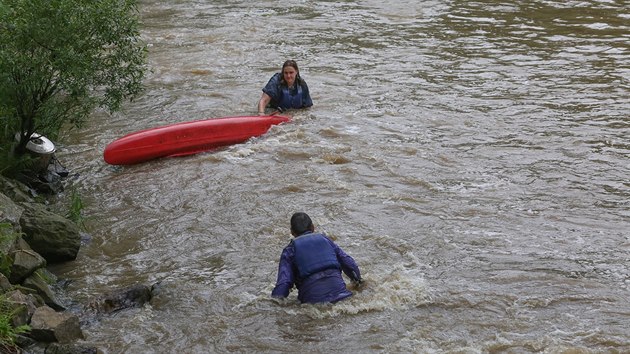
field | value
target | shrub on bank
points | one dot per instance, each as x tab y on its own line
60	60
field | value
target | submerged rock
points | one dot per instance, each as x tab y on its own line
133	296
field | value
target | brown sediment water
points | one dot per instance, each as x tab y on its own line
473	157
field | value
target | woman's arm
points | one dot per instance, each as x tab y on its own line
306	95
262	103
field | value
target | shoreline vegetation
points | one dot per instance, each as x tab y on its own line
59	61
31	237
33	316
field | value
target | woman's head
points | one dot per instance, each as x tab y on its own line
300	223
290	72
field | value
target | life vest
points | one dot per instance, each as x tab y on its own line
313	253
291	101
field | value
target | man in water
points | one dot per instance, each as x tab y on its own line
313	263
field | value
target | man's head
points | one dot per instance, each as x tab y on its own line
301	223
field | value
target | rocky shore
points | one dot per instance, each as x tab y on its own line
32	237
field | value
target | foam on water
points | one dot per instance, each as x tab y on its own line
399	287
471	156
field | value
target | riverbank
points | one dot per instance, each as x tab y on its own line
32	237
32	299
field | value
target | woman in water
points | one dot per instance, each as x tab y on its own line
285	90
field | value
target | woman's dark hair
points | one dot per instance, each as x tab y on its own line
300	223
294	65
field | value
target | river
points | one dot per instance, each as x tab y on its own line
473	157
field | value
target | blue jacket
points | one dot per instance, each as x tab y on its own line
283	98
315	285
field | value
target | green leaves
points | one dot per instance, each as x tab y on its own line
60	59
8	332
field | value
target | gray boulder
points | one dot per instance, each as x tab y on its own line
9	211
22	307
47	325
15	190
25	263
39	282
54	237
5	285
8	243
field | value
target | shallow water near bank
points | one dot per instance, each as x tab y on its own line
472	157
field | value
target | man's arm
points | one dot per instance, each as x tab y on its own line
348	265
286	278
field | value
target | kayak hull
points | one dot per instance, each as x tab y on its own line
187	138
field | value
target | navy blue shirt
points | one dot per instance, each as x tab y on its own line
324	286
283	97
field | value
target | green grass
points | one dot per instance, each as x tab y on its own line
8	333
76	209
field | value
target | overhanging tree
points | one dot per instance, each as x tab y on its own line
61	59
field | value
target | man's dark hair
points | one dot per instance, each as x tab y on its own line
300	223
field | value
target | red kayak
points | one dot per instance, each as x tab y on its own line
187	138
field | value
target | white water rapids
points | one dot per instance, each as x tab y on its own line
473	157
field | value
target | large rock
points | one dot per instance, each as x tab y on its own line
25	263
5	285
47	325
22	307
15	190
40	283
9	211
8	241
54	237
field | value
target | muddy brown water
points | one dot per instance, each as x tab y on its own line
473	157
